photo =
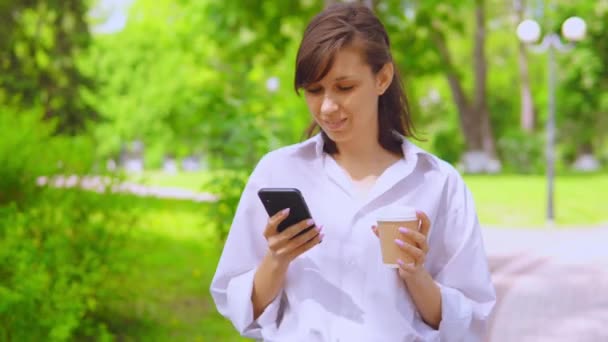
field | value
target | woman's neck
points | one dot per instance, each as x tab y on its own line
363	158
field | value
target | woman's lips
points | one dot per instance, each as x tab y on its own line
335	125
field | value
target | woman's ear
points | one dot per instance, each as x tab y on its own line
384	78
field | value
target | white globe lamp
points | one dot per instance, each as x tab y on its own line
574	29
528	31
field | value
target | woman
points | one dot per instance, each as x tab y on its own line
279	289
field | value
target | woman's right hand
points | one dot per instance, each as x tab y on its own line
281	247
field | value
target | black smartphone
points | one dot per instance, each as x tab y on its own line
277	199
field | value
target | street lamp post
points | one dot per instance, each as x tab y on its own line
528	31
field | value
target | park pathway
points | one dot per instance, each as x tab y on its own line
552	284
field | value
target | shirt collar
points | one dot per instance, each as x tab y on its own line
311	147
410	150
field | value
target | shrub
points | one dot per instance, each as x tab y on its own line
58	247
449	145
55	257
522	152
227	185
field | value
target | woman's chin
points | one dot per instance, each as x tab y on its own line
338	137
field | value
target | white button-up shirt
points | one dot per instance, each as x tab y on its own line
340	290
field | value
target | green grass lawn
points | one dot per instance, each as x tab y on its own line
165	294
517	201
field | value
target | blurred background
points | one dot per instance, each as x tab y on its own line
128	129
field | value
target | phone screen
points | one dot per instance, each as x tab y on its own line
277	199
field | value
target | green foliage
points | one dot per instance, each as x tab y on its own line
522	152
263	29
189	77
448	145
55	257
228	185
198	85
39	43
23	154
582	104
57	248
411	24
149	86
29	150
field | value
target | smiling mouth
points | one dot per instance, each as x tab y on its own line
335	125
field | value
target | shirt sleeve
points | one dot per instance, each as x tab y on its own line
244	249
467	291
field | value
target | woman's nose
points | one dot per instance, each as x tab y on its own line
328	105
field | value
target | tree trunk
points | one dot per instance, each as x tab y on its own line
527	119
474	115
467	115
585	160
585	148
480	67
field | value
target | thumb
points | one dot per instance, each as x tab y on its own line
375	230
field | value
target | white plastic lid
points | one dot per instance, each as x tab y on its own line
397	213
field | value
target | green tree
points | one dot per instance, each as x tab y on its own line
583	88
436	37
190	77
40	42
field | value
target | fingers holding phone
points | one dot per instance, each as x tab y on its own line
274	221
303	242
289	243
290	230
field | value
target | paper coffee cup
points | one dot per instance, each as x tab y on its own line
389	220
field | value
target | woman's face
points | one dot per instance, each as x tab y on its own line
345	102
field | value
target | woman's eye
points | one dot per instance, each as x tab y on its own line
345	88
314	90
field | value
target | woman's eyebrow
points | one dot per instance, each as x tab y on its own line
342	78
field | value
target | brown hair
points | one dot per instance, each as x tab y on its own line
339	26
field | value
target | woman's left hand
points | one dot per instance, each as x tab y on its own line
416	252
